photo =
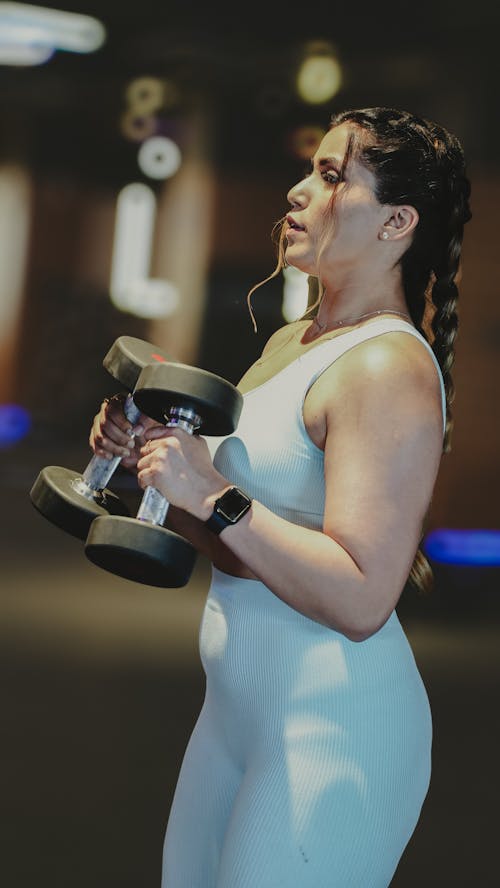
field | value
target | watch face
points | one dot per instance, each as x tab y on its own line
233	504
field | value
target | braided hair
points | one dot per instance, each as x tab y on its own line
417	162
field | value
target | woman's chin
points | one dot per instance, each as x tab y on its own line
302	263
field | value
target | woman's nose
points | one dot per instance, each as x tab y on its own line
297	196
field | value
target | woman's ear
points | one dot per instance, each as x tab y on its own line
401	222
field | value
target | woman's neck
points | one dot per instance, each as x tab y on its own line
359	297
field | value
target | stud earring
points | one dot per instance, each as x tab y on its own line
385	235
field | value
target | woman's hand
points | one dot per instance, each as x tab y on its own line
180	467
112	434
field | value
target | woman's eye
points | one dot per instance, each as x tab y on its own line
331	176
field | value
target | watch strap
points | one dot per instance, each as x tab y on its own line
228	509
216	522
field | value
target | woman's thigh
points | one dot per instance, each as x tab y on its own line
207	785
306	827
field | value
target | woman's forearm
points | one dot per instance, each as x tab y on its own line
206	543
308	570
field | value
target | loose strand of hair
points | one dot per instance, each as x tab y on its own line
278	236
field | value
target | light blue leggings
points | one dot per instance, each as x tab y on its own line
310	760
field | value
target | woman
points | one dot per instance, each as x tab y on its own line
310	760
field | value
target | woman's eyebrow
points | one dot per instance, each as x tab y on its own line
332	159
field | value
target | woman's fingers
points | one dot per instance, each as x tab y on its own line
155	432
106	439
112	433
180	467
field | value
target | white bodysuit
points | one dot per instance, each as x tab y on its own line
310	760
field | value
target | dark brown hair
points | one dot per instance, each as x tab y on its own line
417	162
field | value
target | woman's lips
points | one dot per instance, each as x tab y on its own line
293	226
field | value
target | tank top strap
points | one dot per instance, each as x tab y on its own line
315	361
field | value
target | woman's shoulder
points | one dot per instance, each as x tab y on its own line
280	336
394	367
398	354
387	353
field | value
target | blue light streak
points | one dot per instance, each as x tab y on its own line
15	424
466	547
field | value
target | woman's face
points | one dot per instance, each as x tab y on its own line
322	242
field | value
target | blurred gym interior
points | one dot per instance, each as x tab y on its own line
101	678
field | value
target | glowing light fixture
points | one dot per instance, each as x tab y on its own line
145	95
132	289
19	54
319	77
295	293
159	157
136	128
30	34
151	298
15	423
466	547
146	98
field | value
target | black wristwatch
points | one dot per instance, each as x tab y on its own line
228	509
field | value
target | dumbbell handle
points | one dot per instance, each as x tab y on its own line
99	470
154	506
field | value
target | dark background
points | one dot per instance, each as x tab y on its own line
101	677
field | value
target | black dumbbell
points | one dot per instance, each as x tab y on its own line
71	500
140	548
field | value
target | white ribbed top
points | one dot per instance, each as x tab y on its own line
271	455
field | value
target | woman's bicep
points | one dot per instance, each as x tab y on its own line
382	453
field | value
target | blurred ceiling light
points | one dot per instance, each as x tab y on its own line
319	77
23	54
23	25
295	293
136	128
152	298
159	157
146	98
145	95
131	289
134	225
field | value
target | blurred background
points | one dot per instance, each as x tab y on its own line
145	154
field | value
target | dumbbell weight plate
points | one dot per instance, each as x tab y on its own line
55	494
59	493
128	356
162	386
142	552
